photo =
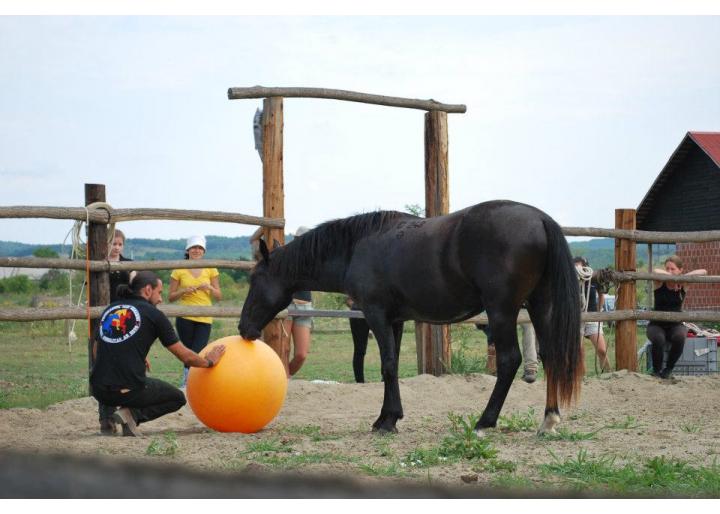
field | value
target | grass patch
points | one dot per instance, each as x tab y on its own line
390	470
518	422
563	434
167	446
461	444
629	423
670	476
313	432
690	428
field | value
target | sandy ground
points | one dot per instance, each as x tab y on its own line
677	418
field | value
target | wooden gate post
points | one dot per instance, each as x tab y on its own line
274	205
433	341
625	260
98	290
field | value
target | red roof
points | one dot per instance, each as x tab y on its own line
709	142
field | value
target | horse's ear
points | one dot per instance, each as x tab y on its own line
264	250
276	244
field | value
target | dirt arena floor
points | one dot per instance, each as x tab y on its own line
324	429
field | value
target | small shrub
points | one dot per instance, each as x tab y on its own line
16	285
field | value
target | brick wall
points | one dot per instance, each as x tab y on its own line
701	255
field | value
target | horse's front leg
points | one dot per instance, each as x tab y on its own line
504	333
360	333
392	407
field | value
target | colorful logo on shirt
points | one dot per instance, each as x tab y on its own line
119	323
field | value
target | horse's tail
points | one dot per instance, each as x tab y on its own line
562	356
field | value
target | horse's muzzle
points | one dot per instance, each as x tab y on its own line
250	334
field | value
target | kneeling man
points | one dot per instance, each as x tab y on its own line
127	330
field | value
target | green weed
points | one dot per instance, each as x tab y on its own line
391	470
563	434
690	428
165	447
630	422
658	474
518	422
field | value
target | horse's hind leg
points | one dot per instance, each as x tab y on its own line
540	316
360	332
504	330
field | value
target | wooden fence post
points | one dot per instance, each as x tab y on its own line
433	341
98	290
274	205
625	260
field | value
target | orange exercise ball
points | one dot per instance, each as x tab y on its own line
241	393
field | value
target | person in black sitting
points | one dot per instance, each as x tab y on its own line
669	297
127	330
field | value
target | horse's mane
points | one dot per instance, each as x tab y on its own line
303	255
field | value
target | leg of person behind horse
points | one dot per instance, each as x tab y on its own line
301	336
677	334
391	409
360	333
656	335
504	331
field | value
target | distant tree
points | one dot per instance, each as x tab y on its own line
414	209
45	252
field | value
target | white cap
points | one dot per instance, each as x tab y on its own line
196	241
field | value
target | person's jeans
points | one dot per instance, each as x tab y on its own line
193	334
156	399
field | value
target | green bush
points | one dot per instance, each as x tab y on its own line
54	280
46	253
16	284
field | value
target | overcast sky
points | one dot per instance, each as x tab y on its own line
575	115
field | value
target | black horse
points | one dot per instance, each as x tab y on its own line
493	256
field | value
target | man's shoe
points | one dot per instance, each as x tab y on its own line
529	376
108	426
129	426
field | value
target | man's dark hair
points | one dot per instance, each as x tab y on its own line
139	281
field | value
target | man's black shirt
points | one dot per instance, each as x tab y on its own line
127	330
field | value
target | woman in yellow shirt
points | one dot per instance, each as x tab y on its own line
198	286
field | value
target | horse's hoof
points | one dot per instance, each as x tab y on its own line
480	433
384	431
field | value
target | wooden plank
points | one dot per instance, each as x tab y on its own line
238	93
625	260
120	215
23	314
98	288
433	342
274	333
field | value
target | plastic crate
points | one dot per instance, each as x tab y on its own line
699	357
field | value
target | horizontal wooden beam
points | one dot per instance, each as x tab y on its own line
98	215
238	93
645	236
29	314
95	266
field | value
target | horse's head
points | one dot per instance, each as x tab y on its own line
268	295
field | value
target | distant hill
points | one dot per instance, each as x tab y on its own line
149	249
600	252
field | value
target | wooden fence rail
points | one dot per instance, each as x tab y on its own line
99	215
58	313
239	93
79	264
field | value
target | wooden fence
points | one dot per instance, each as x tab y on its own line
625	316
